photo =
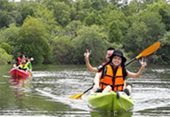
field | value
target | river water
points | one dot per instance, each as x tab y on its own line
47	92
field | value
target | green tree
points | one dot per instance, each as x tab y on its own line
133	8
135	39
26	9
163	9
92	38
10	34
61	11
4	57
83	9
5	19
46	16
82	14
9	38
72	29
7	13
64	29
6	47
164	52
115	33
145	30
98	4
93	18
118	25
34	39
63	50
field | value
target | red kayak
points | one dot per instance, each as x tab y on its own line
17	73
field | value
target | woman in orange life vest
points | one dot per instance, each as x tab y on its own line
115	73
109	52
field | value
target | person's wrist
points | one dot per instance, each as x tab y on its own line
86	57
142	67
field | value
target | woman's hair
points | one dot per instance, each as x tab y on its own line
124	70
110	61
22	55
110	48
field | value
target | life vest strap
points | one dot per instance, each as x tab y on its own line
109	76
113	86
113	76
22	69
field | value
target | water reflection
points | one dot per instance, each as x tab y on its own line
22	81
48	91
19	86
104	114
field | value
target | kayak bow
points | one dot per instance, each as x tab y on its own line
17	73
112	101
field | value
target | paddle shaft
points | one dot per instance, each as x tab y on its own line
88	89
130	61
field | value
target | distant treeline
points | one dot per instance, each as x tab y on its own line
60	31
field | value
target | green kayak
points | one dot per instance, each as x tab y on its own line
110	101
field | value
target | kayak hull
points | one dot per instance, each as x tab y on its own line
110	101
17	73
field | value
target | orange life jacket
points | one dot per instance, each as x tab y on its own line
116	81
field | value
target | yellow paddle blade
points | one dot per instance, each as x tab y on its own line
77	96
149	50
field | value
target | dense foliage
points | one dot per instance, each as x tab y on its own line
60	31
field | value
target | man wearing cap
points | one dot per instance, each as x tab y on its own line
109	52
29	63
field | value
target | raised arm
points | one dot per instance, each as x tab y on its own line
89	67
97	81
139	73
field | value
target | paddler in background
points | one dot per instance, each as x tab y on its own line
109	52
26	66
26	58
29	63
23	65
114	74
18	60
